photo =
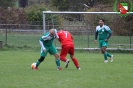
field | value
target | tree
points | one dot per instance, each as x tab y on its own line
7	3
62	5
34	14
23	3
69	5
105	1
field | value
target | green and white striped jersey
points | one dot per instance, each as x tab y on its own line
103	32
47	39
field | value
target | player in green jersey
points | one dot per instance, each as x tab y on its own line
46	42
104	33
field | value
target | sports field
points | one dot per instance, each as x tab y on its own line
15	71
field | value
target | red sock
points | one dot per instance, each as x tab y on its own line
75	61
63	59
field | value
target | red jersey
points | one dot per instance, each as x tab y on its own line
65	37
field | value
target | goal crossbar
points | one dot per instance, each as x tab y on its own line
68	12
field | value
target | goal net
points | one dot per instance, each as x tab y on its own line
82	26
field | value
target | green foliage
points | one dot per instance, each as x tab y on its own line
105	1
123	25
12	16
62	5
34	13
7	3
71	5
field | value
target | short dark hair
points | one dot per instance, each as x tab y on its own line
102	19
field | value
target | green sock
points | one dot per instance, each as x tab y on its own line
109	55
105	56
37	63
57	62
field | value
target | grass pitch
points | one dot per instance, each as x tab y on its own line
15	71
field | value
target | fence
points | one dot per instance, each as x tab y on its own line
21	36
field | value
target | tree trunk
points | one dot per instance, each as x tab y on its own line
1	44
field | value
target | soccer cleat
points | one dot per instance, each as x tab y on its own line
67	62
105	61
59	68
79	68
111	58
36	68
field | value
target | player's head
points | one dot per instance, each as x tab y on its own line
52	32
101	22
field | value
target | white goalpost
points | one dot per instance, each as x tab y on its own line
68	12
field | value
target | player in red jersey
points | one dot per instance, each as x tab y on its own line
67	45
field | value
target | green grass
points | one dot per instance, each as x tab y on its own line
15	71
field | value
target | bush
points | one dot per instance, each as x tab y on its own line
12	18
34	13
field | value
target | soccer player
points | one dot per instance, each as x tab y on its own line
46	46
67	44
104	33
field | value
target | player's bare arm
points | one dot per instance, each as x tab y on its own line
96	35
